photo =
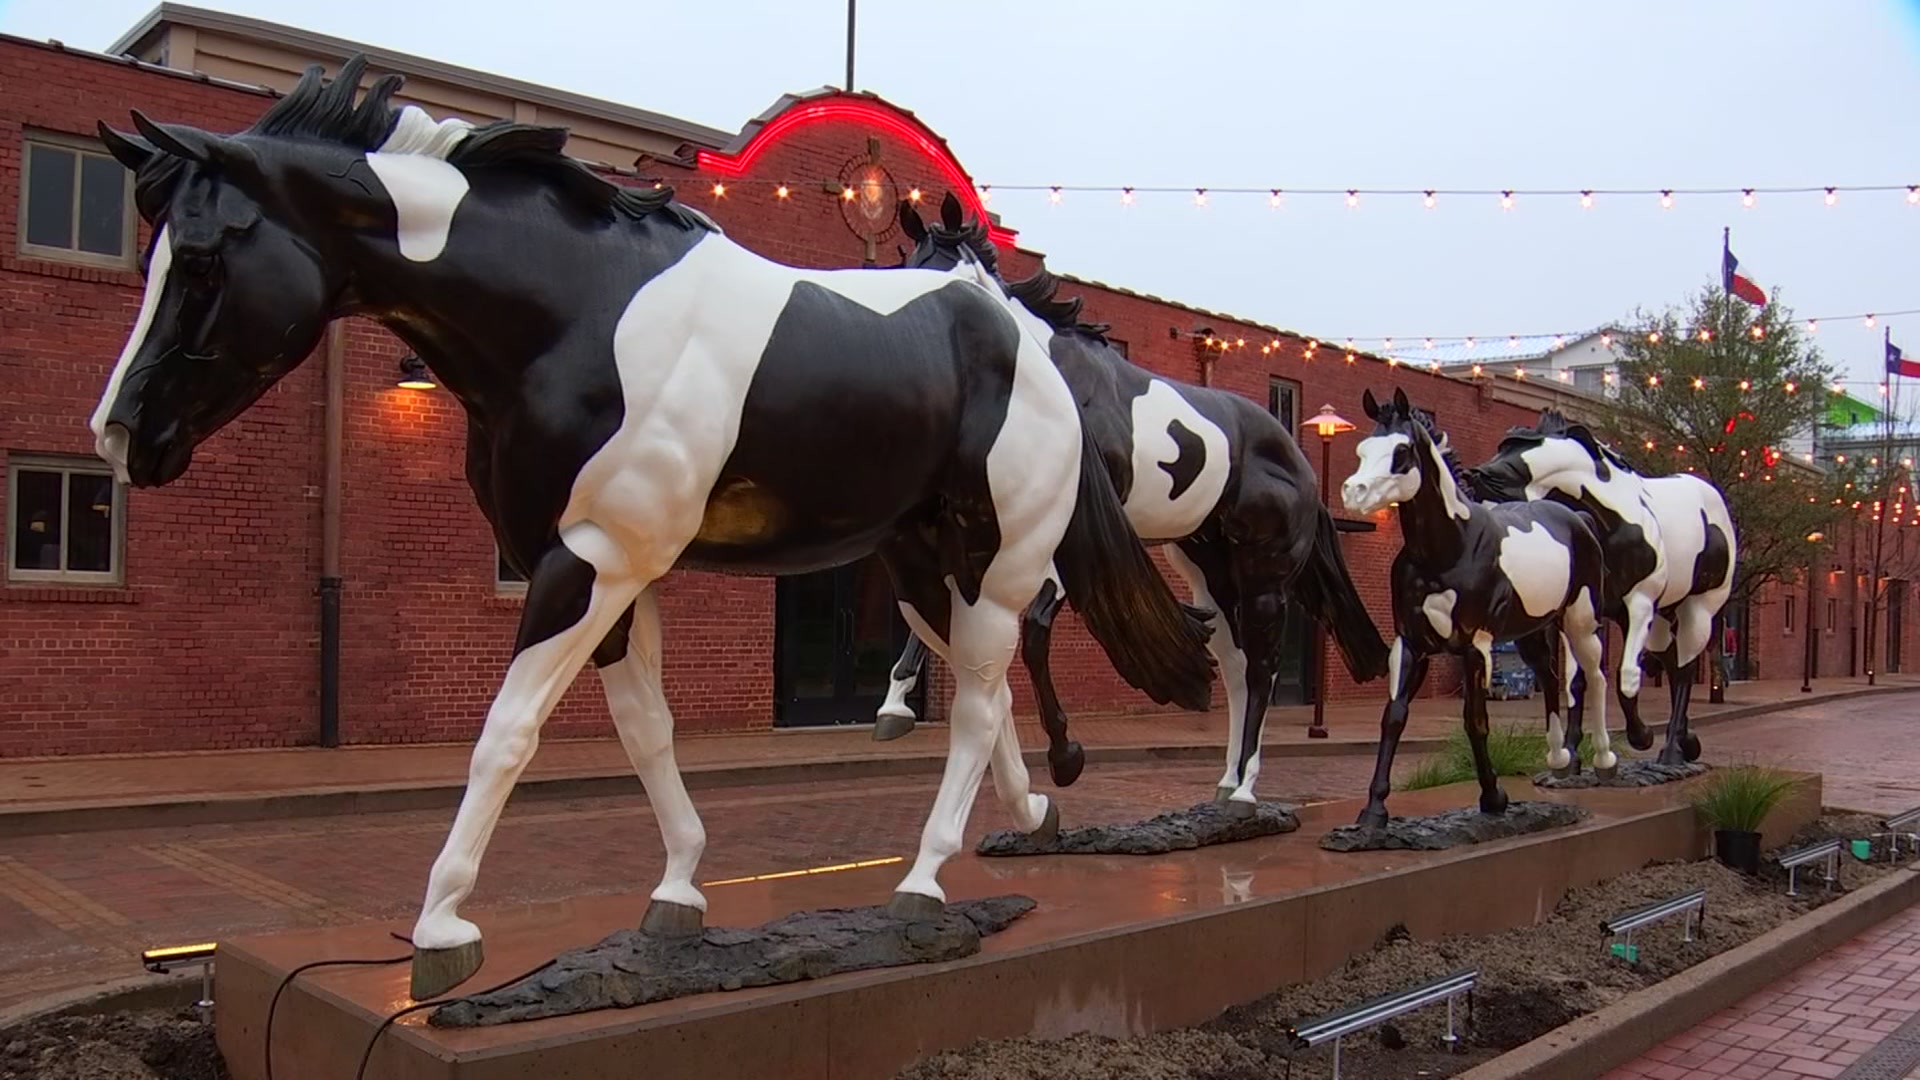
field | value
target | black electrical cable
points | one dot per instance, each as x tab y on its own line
361	1072
266	1039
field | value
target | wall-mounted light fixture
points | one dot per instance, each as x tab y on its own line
414	374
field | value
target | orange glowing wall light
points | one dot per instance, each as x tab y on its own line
873	114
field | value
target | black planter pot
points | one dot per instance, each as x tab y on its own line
1738	849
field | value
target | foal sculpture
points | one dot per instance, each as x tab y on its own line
1216	478
1468	575
642	394
1669	538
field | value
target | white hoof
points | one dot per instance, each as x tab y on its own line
444	932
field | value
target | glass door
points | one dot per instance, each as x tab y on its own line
837	635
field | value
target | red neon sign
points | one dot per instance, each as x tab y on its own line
863	111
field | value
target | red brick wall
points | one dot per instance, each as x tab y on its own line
213	642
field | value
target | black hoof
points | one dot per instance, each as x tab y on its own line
1672	754
1562	773
1049	829
1495	803
668	919
436	971
915	907
1690	745
1605	774
1640	736
1066	768
1240	811
1372	819
887	728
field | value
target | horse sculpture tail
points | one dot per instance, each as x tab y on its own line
1326	590
1156	643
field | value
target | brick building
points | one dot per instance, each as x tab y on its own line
187	617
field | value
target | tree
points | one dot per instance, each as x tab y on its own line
1719	389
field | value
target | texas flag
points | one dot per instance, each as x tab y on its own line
1734	282
1898	364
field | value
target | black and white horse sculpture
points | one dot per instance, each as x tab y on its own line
642	394
1468	575
1670	551
1209	473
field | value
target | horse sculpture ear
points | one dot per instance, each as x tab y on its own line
1400	401
1369	405
911	224
952	214
193	144
129	150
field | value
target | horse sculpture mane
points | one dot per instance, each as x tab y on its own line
1554	423
1444	446
1036	293
323	110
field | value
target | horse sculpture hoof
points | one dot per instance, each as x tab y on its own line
1066	768
1372	819
1640	736
668	919
1240	811
1494	803
436	971
1563	772
915	907
890	726
1222	794
1049	829
1690	746
1606	774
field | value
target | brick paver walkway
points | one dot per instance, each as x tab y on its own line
116	780
1816	1022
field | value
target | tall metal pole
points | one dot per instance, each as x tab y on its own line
334	438
1318	729
849	86
1806	624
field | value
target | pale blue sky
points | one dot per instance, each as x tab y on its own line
1622	93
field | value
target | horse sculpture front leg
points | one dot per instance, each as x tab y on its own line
1406	671
579	590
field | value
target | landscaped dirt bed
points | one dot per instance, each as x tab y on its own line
1531	981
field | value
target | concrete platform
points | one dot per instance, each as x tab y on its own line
1118	946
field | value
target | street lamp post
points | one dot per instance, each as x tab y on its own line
1328	424
1806	622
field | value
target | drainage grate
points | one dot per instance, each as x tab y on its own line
1893	1058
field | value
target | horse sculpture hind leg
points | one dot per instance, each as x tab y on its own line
895	717
1478	676
638	704
1203	568
579	591
1584	632
1540	652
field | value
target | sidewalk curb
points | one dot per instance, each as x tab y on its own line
1621	1032
283	805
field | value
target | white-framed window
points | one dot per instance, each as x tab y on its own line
66	521
1283	401
76	202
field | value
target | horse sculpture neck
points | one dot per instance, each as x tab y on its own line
1432	523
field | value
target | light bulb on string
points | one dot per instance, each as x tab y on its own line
1869	322
846	194
1469	344
1666	200
1513	342
1606	340
1586	200
1126	196
1199	196
1706	334
1745	385
1353	198
1831	197
719	191
1757	331
1427	201
1273	198
1699	383
913	195
1653	338
1565	375
1387	346
1559	341
781	192
1913	194
1506	200
1429	343
1813	326
1653	380
1435	365
1519	373
986	193
1053	196
1746	198
1791	388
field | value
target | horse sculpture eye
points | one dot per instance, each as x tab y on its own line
1402	458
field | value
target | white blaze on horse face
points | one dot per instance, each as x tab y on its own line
1156	513
425	189
111	445
1538	566
1439	611
1374	484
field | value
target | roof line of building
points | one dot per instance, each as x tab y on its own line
56	45
309	42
